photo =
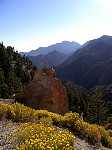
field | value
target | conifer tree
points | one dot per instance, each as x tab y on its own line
3	86
15	71
97	108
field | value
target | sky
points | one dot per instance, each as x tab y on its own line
29	24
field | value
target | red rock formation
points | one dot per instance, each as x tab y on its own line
46	92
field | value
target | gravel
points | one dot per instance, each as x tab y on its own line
83	145
6	132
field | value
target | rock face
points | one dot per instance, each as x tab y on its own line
45	91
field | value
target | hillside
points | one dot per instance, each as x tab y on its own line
91	65
95	105
40	129
15	71
53	58
65	47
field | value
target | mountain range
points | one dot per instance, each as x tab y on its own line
53	58
86	65
90	65
65	47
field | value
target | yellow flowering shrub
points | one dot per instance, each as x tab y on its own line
71	118
41	137
91	132
20	113
3	110
105	137
57	119
46	121
42	113
109	132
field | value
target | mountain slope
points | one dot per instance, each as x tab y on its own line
53	58
90	65
15	71
65	47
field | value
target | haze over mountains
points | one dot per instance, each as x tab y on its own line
90	65
53	58
52	55
65	47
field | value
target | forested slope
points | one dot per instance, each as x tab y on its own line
15	71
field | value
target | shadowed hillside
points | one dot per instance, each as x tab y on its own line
90	65
53	58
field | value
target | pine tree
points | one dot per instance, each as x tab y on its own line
15	71
3	86
97	108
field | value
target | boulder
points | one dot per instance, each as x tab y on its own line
46	92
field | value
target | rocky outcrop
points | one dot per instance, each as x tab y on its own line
45	91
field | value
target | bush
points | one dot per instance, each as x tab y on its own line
89	131
71	118
46	121
39	137
3	110
106	140
20	113
110	122
109	132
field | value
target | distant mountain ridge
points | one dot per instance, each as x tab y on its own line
90	65
53	58
65	47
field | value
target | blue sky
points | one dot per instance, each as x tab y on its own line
29	24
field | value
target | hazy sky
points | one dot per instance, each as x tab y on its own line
29	24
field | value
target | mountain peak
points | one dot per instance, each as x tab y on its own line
65	47
91	65
105	37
